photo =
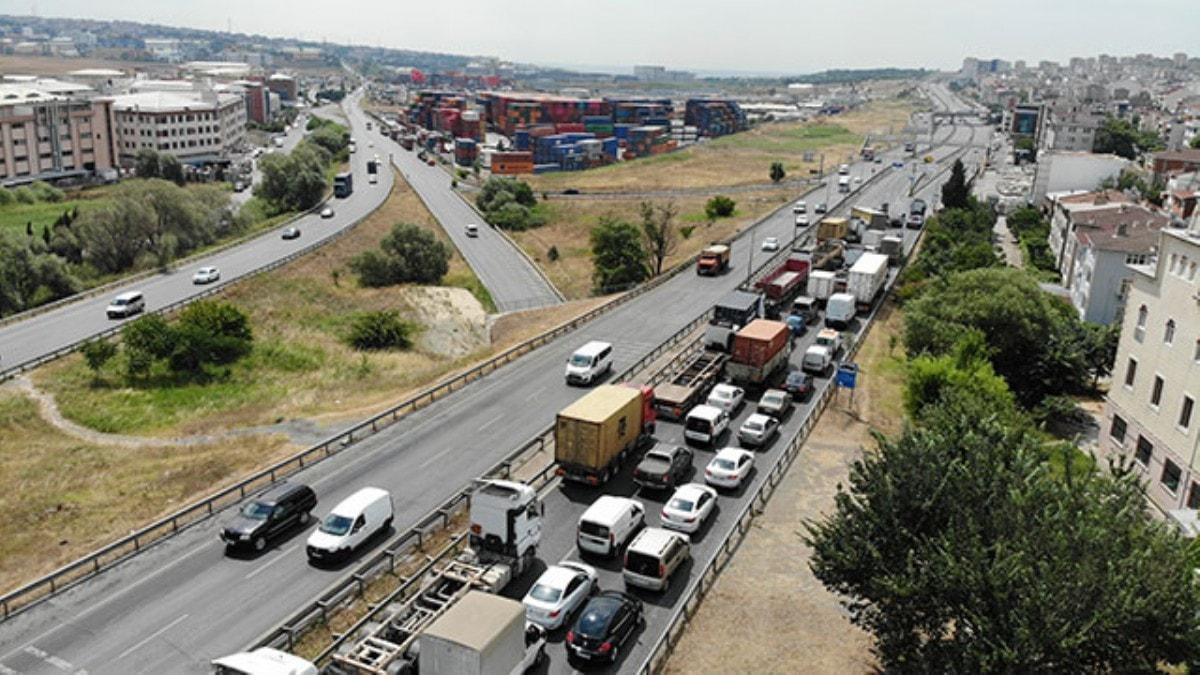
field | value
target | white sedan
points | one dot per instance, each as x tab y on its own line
689	507
556	594
726	397
206	275
770	244
729	468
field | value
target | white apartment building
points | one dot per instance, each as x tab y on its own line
1064	210
1150	414
198	127
1105	244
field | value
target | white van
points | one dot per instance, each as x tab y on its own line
126	304
800	207
840	310
608	524
704	424
472	230
589	362
654	556
844	170
352	522
844	184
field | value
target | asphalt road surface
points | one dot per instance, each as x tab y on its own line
512	279
184	602
56	329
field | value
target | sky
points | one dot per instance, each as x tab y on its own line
707	36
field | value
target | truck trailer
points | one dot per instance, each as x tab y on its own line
689	387
481	634
783	284
867	278
760	350
593	434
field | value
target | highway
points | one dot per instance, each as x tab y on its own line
184	602
56	329
512	279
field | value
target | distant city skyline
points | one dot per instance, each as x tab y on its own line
758	37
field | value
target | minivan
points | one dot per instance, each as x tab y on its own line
126	304
608	524
589	362
352	522
840	310
704	424
269	515
800	207
653	556
472	230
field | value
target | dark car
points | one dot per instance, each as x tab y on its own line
571	191
269	516
798	383
291	233
663	466
604	626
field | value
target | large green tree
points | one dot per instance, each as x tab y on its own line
956	191
959	550
1124	138
658	231
618	258
408	254
508	203
31	275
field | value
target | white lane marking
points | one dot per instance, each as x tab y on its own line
492	421
61	664
272	561
153	635
436	457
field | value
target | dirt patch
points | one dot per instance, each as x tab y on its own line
455	323
768	583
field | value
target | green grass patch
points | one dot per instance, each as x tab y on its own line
14	217
790	139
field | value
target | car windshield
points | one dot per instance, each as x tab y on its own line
697	424
772	399
727	464
753	426
581	360
336	525
545	593
594	621
256	510
681	504
722	395
796	378
120	301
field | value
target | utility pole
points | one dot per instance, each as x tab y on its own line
750	258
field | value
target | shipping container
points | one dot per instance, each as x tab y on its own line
592	434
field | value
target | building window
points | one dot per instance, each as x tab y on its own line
1117	430
1139	331
1144	451
1170	476
1169	332
1156	391
1132	371
1193	500
1185	412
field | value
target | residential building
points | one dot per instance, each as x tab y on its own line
1149	415
197	126
1182	194
258	100
1171	162
164	49
51	129
1060	171
1064	208
1071	131
1106	241
284	85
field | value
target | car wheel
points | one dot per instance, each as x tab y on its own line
387	524
260	544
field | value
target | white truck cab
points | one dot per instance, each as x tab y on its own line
506	522
840	310
262	661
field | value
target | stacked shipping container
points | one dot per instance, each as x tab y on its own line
714	117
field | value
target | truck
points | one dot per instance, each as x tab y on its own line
843	183
866	279
689	387
262	661
820	284
826	255
372	166
595	433
343	185
729	315
874	218
783	284
893	247
832	228
506	522
760	350
713	260
408	142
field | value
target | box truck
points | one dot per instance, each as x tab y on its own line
866	279
593	434
759	351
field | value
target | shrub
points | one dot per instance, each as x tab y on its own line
552	254
6	196
24	195
408	254
46	192
719	206
97	353
380	330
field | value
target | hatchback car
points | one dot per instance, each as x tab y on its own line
775	402
206	275
604	626
726	397
663	466
729	468
820	208
798	383
758	430
689	507
560	591
770	244
472	230
897	164
327	212
291	233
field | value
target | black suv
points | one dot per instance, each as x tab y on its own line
604	626
269	515
664	466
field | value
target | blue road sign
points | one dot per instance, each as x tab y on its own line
847	375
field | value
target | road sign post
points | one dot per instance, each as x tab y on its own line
847	378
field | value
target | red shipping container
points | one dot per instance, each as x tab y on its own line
759	341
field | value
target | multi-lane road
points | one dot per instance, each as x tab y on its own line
184	602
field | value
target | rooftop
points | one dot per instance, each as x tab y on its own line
170	101
24	89
1127	228
1184	155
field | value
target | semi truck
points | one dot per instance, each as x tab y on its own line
866	279
343	185
832	228
461	632
729	315
595	433
874	218
826	255
713	260
821	284
783	284
689	387
760	350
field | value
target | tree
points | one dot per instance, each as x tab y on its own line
146	164
959	551
1195	141
658	231
97	353
380	330
618	258
777	172
933	380
330	137
719	206
956	191
1101	349
209	331
408	254
30	275
508	203
1034	340
296	181
171	169
1124	138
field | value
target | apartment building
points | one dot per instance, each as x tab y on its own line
1073	131
1064	209
197	126
1150	415
51	129
1106	242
